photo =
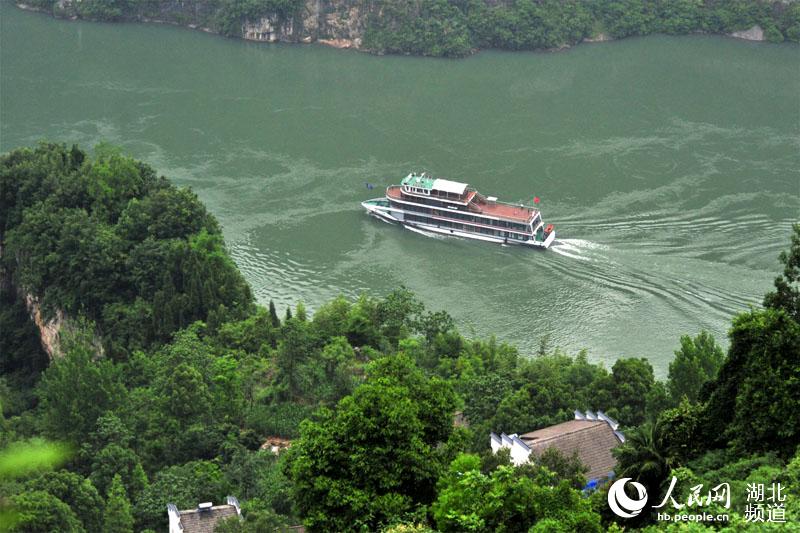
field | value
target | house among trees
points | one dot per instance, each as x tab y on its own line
204	519
590	436
276	445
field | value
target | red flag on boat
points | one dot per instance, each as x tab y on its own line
536	199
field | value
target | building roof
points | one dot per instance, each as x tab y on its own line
593	441
202	520
195	521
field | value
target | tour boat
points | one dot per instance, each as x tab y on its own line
438	206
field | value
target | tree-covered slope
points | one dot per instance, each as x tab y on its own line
189	384
450	28
106	238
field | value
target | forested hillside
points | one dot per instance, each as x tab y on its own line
169	379
448	27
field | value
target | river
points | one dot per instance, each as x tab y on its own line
669	166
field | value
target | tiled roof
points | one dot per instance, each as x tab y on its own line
593	440
196	521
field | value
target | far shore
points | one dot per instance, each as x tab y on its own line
755	34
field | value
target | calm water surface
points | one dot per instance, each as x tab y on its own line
669	166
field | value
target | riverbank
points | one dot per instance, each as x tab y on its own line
437	28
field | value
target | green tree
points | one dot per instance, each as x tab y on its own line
508	499
362	323
374	459
684	432
115	460
331	318
118	517
566	467
696	363
24	458
759	384
255	334
113	180
186	394
258	480
297	345
41	512
78	388
629	385
398	313
184	485
74	490
302	316
787	286
338	362
166	213
254	522
643	456
47	244
273	315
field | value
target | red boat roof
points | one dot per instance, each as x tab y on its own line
503	210
479	204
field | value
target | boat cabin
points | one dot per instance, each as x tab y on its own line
423	185
457	196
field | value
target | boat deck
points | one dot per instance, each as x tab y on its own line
479	205
506	211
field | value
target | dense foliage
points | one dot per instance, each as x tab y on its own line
526	498
108	239
166	390
455	28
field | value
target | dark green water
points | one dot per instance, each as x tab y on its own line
668	165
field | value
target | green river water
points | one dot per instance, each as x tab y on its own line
669	166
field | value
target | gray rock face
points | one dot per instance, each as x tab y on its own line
338	23
268	30
756	33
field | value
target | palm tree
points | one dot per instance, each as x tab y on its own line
643	458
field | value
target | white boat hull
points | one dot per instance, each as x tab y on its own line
395	216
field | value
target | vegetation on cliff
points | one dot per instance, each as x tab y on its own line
454	28
168	388
108	239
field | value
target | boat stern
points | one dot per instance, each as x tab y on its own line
549	240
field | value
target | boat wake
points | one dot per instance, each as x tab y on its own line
425	233
576	248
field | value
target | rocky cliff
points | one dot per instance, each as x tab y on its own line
445	27
335	23
49	326
339	23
